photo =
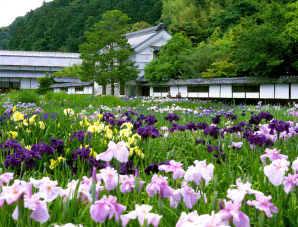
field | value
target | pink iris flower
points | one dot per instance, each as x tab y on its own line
198	172
174	167
190	197
290	182
106	208
272	155
128	183
110	177
47	188
237	144
118	151
205	220
231	210
262	203
14	192
40	210
295	165
142	213
68	225
239	193
159	185
6	178
276	171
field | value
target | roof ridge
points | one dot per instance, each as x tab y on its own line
38	54
145	31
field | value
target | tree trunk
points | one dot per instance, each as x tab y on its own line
112	87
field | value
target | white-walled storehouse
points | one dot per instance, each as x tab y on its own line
72	85
229	88
21	69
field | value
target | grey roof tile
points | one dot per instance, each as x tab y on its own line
145	31
71	84
234	80
67	80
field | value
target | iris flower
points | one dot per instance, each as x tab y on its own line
142	213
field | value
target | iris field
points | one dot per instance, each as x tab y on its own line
75	160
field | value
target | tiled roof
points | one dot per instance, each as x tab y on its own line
145	31
38	59
71	84
233	80
67	80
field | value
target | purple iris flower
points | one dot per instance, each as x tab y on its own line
150	120
212	131
58	145
80	135
172	117
216	120
148	131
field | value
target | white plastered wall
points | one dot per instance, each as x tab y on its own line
214	91
267	91
282	91
25	83
294	91
174	91
183	91
34	83
226	91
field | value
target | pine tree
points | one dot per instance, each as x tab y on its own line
106	53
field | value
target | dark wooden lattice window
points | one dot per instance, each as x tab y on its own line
161	89
79	89
198	88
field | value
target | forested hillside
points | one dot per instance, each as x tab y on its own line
60	25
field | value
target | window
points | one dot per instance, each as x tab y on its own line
252	88
79	89
238	88
161	89
155	54
246	88
198	88
65	89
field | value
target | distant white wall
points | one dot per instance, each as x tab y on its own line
252	95
71	90
294	91
282	91
25	83
56	90
226	91
151	91
214	91
193	94
174	91
183	91
239	95
203	95
34	83
267	91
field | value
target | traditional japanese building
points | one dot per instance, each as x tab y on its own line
21	69
285	87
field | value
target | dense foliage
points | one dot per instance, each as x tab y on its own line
85	160
60	24
106	53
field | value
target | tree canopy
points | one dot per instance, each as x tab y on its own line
106	53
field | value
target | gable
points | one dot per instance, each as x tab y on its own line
158	39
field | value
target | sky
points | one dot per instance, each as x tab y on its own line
11	9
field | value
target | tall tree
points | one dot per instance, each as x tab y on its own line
106	53
168	65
